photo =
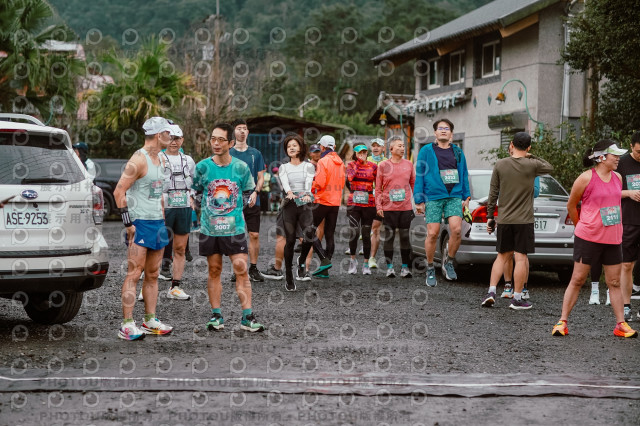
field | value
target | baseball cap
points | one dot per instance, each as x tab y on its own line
156	125
378	141
81	146
314	148
175	130
328	141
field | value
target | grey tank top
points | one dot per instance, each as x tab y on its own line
144	198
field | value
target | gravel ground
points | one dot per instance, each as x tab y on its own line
347	350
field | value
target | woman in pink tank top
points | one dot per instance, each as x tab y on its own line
598	231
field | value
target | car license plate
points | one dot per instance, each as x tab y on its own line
26	217
541	224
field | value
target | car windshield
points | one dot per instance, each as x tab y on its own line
479	186
550	187
32	158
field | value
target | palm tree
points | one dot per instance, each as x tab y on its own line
147	85
34	78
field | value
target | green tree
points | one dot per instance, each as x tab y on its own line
34	78
146	85
603	43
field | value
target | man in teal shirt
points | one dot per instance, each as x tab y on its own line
221	179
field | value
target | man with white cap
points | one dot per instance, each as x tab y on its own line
178	178
327	189
139	198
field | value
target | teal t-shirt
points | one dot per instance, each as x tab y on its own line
222	187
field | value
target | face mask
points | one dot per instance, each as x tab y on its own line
376	157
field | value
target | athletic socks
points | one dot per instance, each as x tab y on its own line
595	286
517	296
245	313
149	317
492	289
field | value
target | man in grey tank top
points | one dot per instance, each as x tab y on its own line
139	198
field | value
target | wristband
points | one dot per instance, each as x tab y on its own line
126	220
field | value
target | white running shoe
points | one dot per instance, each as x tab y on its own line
372	263
154	326
366	270
129	331
595	297
405	272
391	273
177	293
353	266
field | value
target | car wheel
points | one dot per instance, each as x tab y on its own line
56	308
564	275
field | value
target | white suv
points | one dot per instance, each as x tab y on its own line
51	243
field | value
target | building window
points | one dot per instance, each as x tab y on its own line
491	59
456	67
434	74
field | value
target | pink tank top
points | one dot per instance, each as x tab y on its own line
600	217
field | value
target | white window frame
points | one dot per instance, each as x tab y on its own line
495	70
433	64
461	68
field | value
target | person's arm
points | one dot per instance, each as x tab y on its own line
494	190
412	178
379	189
284	182
351	171
260	180
310	172
466	191
575	196
135	168
542	166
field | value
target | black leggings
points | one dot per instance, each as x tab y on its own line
330	216
295	216
360	217
402	221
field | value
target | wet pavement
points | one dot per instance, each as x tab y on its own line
344	350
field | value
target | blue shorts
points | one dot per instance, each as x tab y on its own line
151	234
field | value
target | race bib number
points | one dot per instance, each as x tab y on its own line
360	197
178	199
224	225
633	182
155	190
396	195
610	215
299	201
449	176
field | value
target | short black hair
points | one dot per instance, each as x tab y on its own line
521	141
237	122
227	128
303	146
635	138
442	120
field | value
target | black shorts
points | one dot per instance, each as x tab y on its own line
225	246
178	221
398	219
630	242
378	218
516	237
591	253
252	218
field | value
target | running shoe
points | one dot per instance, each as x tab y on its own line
595	297
489	300
635	293
216	323
353	266
628	316
289	283
448	271
525	294
251	324
623	330
608	302
302	274
347	251
520	305
560	329
391	273
432	281
129	331
406	272
322	275
177	293
507	293
324	266
154	326
255	275
297	248
165	275
273	274
366	270
372	263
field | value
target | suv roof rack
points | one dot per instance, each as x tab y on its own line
6	116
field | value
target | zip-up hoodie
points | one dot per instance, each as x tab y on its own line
429	185
329	180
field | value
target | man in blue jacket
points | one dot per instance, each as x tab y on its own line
442	188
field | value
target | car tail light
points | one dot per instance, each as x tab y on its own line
98	205
479	215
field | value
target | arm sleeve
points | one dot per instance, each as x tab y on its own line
351	171
284	178
308	180
421	170
494	190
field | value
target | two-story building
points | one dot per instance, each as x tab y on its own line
509	46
